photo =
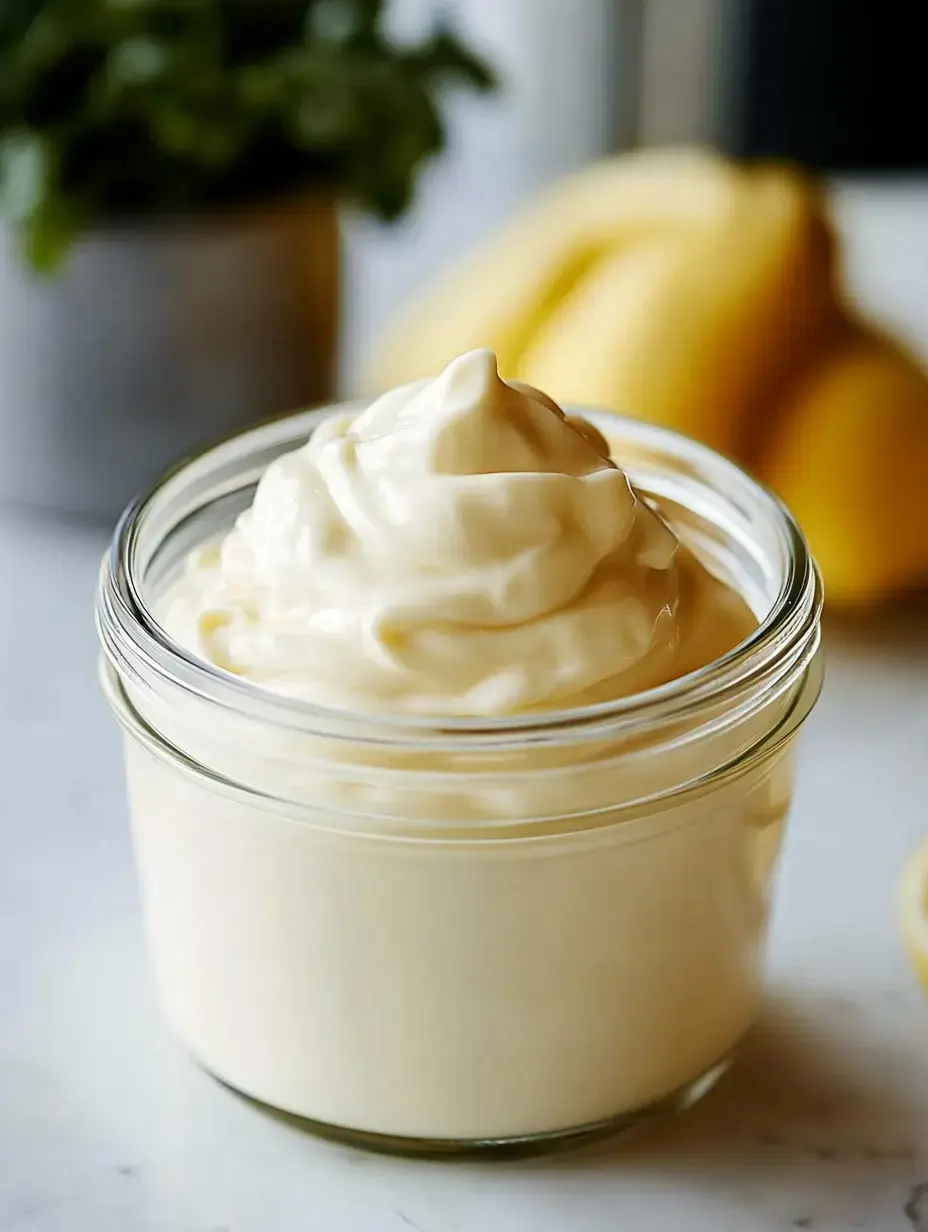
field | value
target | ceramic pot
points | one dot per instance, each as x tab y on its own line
155	340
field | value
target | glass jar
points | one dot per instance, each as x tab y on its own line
459	934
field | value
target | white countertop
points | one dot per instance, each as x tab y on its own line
105	1126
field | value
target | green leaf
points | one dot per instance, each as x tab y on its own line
210	140
48	234
136	62
259	86
25	174
339	21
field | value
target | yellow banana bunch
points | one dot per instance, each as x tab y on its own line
699	294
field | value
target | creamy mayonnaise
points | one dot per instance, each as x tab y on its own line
460	548
416	936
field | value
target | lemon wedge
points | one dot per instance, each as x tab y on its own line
914	910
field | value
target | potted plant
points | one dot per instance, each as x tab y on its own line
168	175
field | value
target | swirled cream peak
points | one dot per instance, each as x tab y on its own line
461	547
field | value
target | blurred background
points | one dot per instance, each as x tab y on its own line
216	210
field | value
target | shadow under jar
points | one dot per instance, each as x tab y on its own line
453	935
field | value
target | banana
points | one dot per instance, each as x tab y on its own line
849	455
499	295
697	334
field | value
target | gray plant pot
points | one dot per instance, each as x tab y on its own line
156	340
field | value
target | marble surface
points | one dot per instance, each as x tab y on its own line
105	1126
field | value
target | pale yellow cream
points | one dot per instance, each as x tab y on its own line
462	547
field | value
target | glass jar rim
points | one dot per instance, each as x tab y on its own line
137	645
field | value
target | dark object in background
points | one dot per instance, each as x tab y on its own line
834	84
